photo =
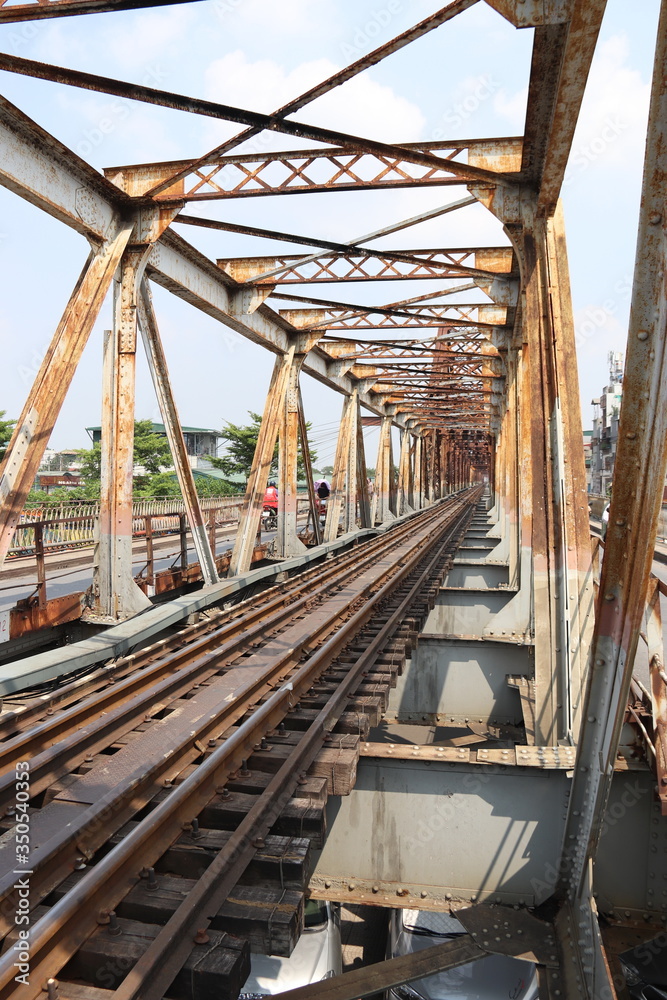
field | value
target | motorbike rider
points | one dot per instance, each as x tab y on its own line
271	497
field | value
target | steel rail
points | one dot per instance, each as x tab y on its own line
85	834
155	970
56	936
61	742
18	719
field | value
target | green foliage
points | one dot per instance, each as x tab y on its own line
162	484
327	471
91	461
64	494
6	428
241	443
150	450
215	488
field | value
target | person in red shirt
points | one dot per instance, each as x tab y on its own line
271	496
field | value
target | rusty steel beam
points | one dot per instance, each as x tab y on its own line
38	168
261	465
369	265
359	242
35	425
639	477
345	168
157	364
416	318
288	542
562	56
399	304
326	86
115	594
67	8
211	109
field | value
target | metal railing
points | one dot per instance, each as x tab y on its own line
72	525
45	533
647	706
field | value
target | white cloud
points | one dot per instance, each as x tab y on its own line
362	106
614	112
513	108
288	16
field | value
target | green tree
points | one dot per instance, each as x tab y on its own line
150	450
241	443
6	428
162	484
91	461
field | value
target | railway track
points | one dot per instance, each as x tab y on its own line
175	794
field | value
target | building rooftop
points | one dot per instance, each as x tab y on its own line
161	429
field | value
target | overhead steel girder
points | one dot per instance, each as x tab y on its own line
226	112
484	262
181	269
415	317
65	8
532	13
40	169
562	56
49	175
255	175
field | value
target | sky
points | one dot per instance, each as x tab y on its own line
468	78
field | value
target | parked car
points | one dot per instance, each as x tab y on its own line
489	978
316	956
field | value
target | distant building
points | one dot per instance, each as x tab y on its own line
199	442
60	461
588	457
604	438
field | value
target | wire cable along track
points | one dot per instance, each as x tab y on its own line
165	788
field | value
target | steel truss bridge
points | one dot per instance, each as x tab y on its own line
190	759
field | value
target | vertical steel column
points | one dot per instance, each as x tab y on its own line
351	464
305	451
116	595
418	486
362	474
157	364
338	480
261	465
287	541
383	484
34	426
403	491
573	536
639	476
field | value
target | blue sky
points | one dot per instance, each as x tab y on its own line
466	79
